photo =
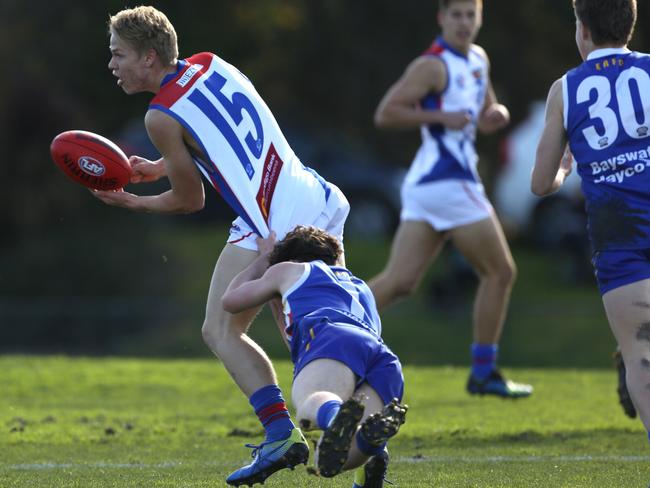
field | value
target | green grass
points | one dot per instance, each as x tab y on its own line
78	422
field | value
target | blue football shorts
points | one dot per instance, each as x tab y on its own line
614	269
359	349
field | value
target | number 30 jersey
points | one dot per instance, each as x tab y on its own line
607	119
244	154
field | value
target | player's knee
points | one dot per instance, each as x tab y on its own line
404	286
209	336
638	369
502	275
508	272
213	334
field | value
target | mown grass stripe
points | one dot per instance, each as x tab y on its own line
415	460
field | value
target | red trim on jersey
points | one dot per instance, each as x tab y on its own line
272	167
288	329
470	194
435	49
241	238
171	91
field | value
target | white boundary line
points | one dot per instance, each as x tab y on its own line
42	466
403	459
521	459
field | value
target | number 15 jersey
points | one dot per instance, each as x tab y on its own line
607	119
245	156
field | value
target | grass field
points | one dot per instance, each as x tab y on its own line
79	422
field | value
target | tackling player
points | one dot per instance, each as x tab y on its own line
206	118
602	110
447	93
343	371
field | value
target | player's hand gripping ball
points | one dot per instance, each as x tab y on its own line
91	160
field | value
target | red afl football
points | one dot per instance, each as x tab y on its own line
91	160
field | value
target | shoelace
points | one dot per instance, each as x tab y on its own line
256	448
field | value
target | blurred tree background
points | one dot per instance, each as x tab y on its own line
79	277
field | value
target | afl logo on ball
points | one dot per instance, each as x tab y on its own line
91	166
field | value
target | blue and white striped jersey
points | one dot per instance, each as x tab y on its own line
332	293
245	154
446	153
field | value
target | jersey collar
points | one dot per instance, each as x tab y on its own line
607	51
443	43
179	66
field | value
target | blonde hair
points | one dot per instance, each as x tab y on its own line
146	28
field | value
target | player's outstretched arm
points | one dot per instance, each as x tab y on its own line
553	160
246	292
186	194
400	108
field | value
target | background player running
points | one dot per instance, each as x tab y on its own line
602	109
344	373
448	94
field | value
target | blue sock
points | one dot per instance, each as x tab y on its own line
272	411
327	412
649	435
367	448
484	359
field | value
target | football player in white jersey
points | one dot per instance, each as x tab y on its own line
601	109
447	93
207	119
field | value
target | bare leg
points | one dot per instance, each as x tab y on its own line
225	333
415	246
628	312
367	395
275	306
323	380
320	381
485	247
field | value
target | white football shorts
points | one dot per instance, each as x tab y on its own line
445	204
330	217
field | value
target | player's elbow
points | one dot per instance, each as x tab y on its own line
541	188
192	203
486	127
383	118
544	175
380	120
197	204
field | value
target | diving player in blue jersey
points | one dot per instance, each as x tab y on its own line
447	93
598	115
347	382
